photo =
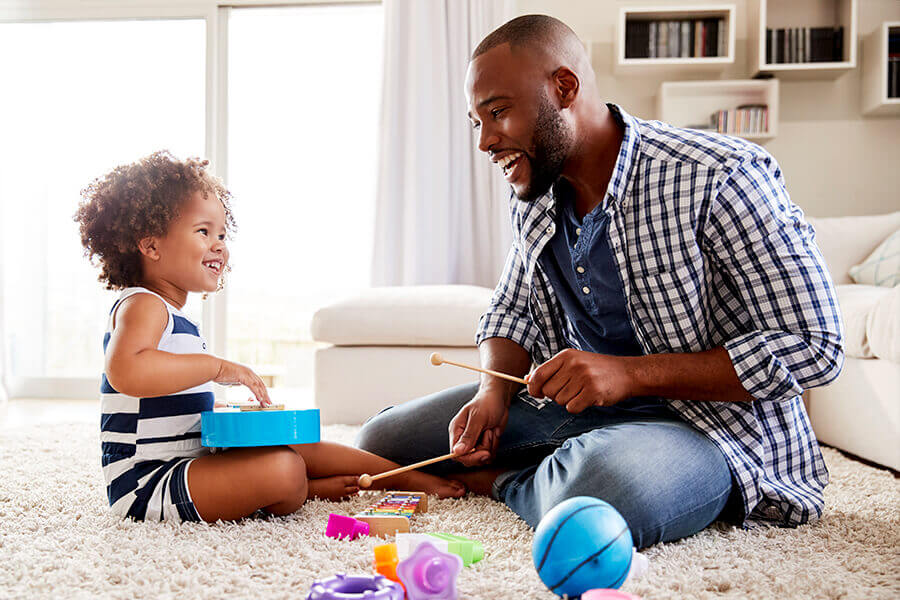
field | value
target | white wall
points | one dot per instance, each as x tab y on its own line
835	161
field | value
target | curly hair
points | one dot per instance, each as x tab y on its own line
136	201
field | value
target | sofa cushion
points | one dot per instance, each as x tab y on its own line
883	326
867	317
425	315
882	267
847	241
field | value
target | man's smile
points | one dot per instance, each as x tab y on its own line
509	164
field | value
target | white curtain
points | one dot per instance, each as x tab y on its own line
441	210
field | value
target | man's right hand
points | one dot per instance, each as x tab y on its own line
478	426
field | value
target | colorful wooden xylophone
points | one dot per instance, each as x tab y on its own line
393	512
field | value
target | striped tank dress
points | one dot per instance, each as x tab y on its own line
147	444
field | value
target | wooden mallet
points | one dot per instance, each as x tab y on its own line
365	480
437	359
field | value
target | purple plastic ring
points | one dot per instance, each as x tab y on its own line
353	587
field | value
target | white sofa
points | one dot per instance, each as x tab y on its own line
378	343
860	411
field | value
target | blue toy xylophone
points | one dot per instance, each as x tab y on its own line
228	429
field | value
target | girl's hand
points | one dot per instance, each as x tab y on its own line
234	373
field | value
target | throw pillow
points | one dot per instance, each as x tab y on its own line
883	265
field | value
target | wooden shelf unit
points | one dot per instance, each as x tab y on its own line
777	14
875	100
674	66
684	103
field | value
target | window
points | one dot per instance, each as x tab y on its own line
82	96
304	90
79	98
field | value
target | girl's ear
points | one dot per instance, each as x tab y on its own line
148	247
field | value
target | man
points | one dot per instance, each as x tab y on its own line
668	291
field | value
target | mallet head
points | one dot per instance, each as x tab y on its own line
436	359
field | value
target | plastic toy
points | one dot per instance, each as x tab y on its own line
429	574
580	544
392	513
230	429
386	560
355	587
340	526
470	551
606	594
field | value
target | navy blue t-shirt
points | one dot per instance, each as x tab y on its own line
580	265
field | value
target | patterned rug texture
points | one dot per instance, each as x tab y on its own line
58	540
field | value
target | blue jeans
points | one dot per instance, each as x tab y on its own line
667	479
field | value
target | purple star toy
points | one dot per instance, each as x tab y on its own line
429	574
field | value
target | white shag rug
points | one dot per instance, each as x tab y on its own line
57	540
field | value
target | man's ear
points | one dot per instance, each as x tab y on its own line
567	86
148	247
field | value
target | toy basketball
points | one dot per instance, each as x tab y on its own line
258	428
581	544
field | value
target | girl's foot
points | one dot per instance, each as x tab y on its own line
338	487
416	481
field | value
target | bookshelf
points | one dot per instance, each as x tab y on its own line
691	57
791	15
875	100
687	103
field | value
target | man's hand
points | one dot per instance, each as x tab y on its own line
578	380
478	426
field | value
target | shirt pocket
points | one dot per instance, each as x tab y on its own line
672	302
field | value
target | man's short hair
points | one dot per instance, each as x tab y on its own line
528	30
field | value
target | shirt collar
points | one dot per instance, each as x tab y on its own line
621	175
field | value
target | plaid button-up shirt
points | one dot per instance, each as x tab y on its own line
712	252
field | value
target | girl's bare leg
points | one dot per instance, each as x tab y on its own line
327	459
234	484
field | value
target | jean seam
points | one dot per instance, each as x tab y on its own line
548	442
563	424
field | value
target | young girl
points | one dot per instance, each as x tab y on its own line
158	227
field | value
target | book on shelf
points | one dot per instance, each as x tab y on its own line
691	38
893	70
746	119
893	74
804	45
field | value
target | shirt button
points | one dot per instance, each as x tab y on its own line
586	290
580	269
578	231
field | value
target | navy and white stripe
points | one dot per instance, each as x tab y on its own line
148	443
712	252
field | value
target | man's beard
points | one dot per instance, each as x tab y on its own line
552	141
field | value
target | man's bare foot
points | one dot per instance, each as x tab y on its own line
479	481
416	481
337	487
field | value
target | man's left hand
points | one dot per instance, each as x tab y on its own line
578	380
